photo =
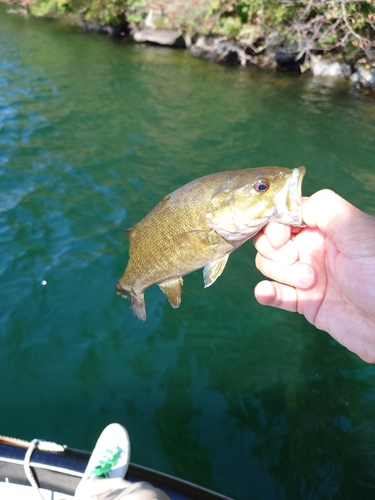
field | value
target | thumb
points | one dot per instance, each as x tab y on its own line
338	219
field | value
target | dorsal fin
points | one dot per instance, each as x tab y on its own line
172	290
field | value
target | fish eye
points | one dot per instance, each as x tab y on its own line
261	185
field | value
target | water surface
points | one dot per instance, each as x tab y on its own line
249	401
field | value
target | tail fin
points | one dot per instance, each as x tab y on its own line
137	300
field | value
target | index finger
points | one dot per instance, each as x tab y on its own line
277	234
287	254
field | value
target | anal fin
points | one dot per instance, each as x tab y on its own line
213	270
172	290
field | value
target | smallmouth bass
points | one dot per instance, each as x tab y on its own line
201	223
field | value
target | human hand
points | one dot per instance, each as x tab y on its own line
325	271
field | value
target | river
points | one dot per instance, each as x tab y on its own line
250	401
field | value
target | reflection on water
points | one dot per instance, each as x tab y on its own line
253	402
364	177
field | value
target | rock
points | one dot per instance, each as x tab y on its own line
289	61
202	49
326	67
96	27
364	78
219	50
171	38
23	11
188	40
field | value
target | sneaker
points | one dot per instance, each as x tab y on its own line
111	455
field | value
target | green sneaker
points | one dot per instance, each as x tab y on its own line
111	455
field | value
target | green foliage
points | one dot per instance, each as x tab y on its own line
230	26
48	7
105	11
135	10
243	10
308	24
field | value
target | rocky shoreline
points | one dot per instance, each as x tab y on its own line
359	73
221	50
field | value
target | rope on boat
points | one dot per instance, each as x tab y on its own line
35	444
47	446
26	467
14	441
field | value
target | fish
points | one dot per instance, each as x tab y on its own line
201	223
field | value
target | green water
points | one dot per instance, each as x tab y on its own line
249	401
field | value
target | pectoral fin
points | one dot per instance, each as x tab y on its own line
213	270
172	290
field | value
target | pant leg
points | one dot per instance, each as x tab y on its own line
117	489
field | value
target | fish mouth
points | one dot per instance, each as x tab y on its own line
294	199
289	200
295	184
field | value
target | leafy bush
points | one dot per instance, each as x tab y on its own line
308	25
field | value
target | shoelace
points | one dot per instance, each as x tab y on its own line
109	459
